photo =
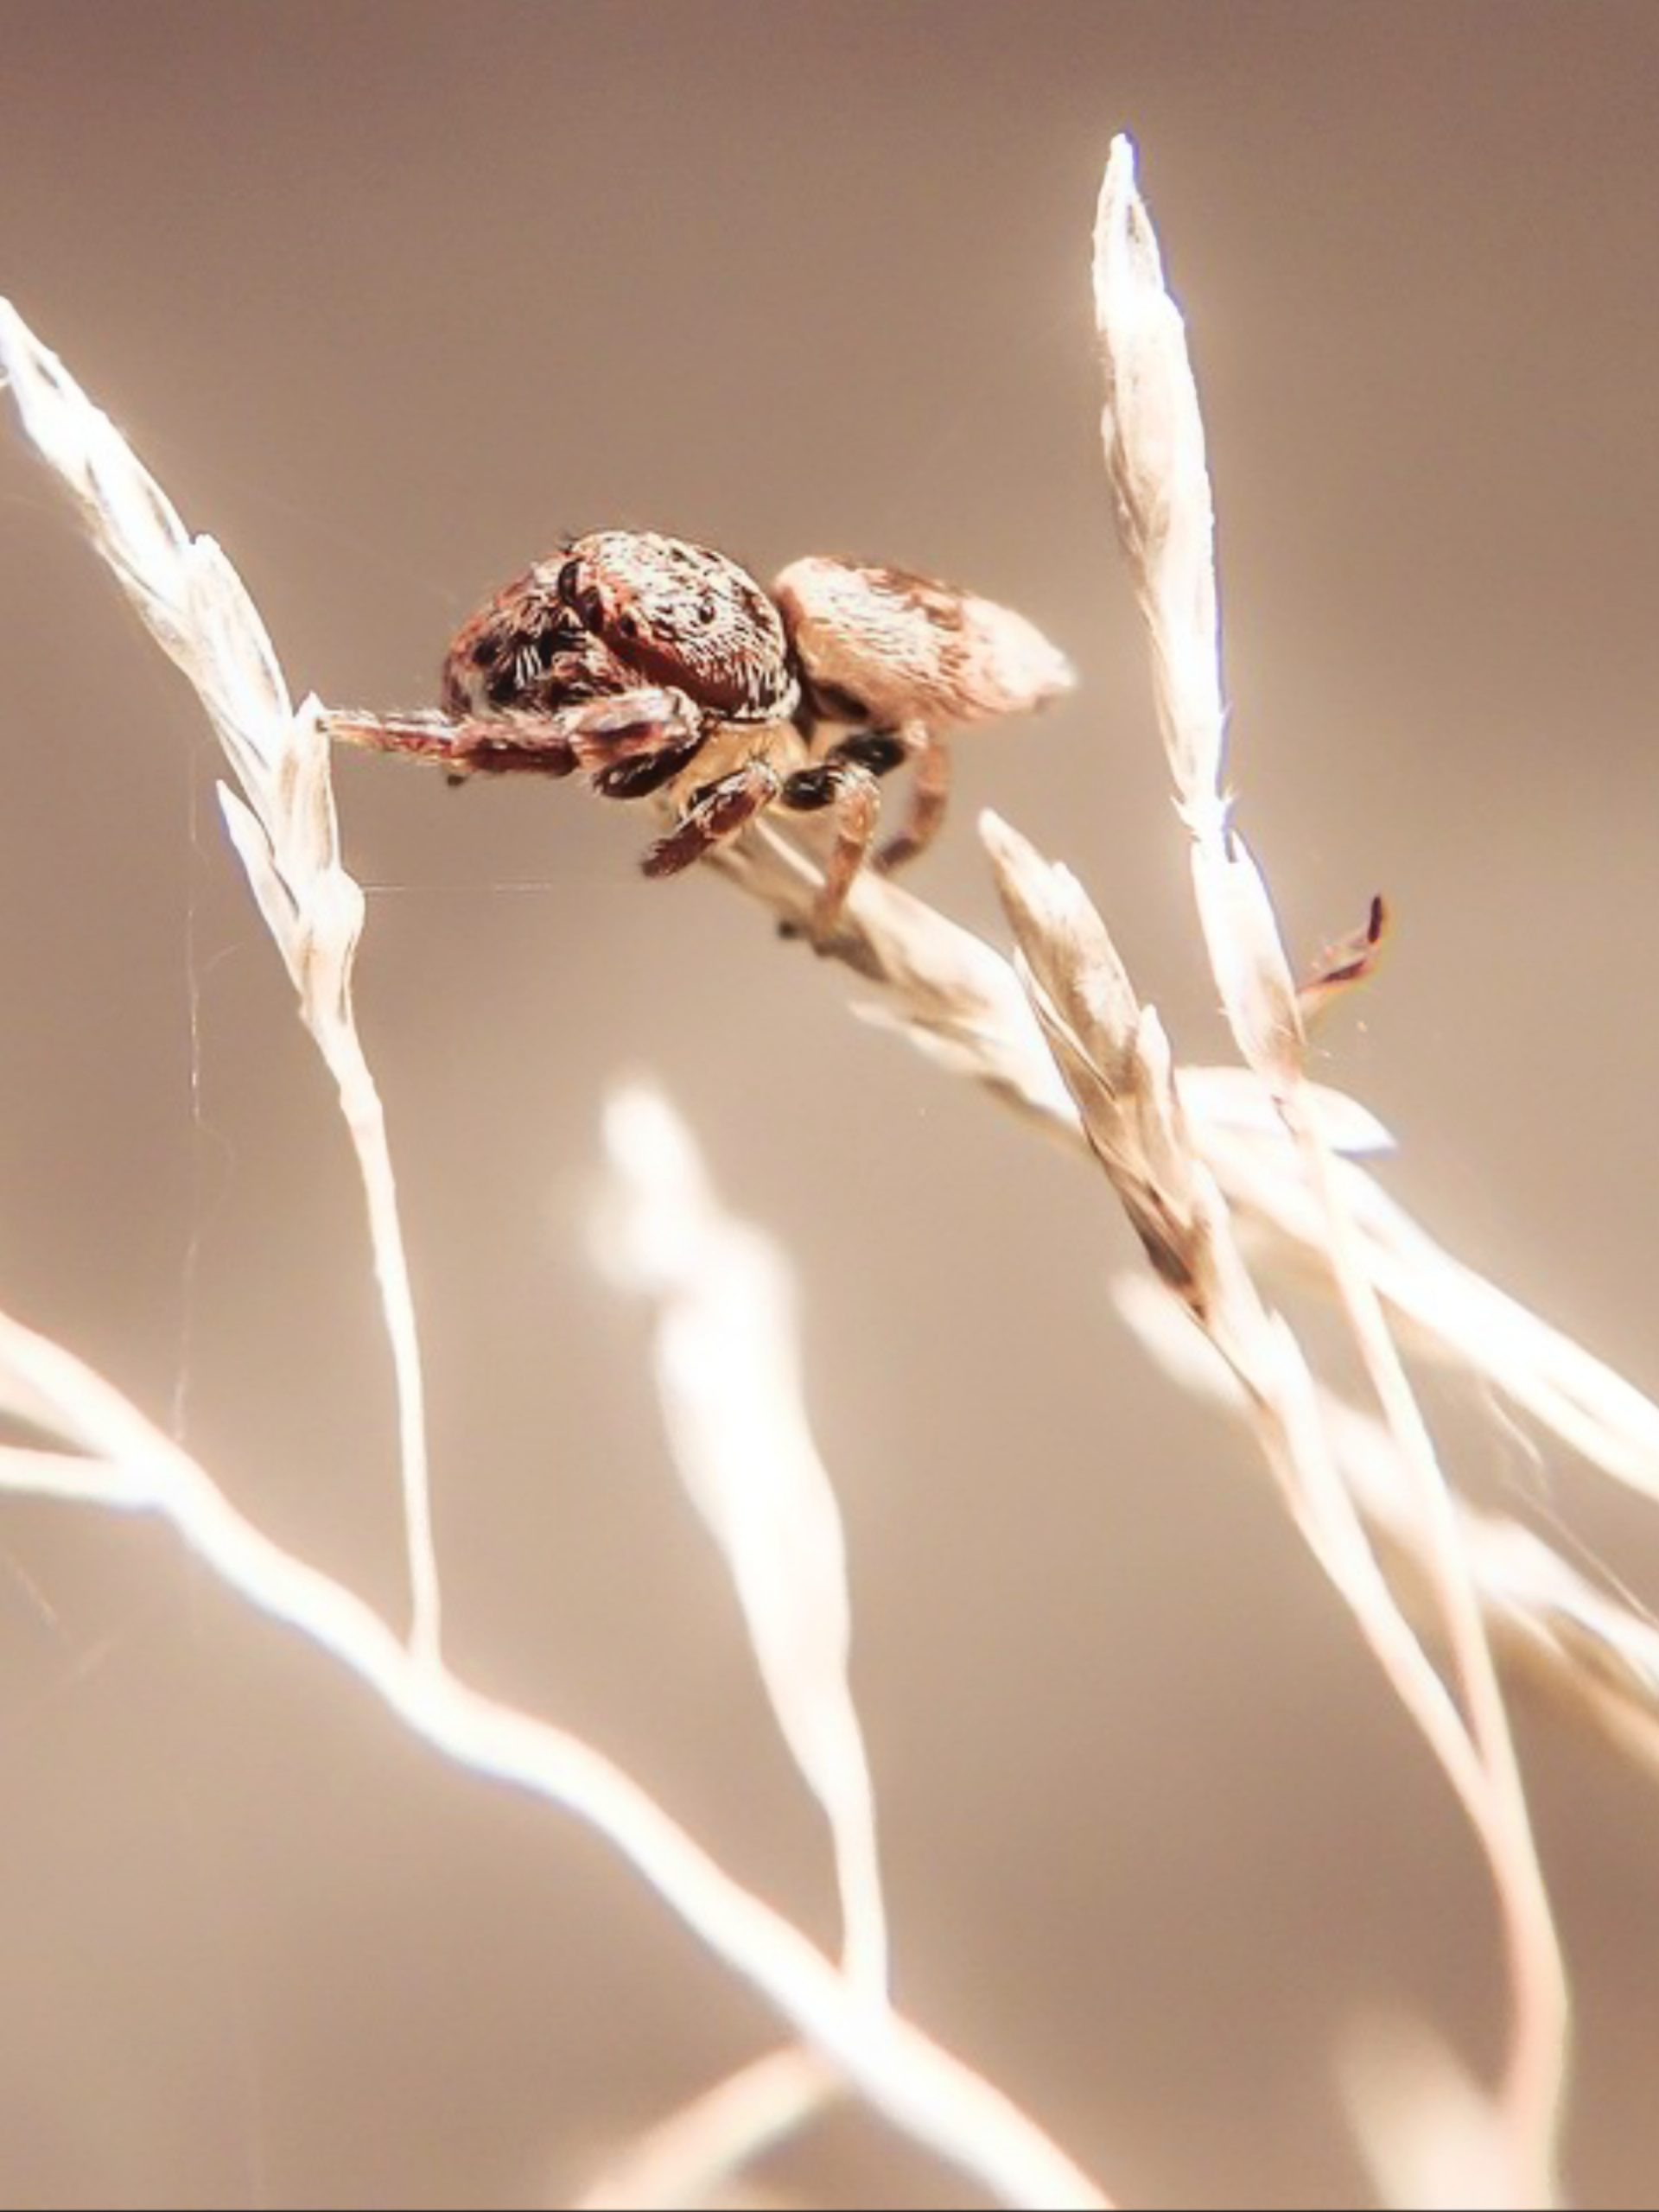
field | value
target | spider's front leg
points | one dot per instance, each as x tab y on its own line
607	737
718	811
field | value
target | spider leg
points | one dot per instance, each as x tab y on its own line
596	734
930	793
457	745
718	811
647	771
882	750
851	789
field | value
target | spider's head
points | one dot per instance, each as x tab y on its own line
525	651
684	616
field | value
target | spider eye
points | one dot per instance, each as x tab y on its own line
626	625
566	586
706	612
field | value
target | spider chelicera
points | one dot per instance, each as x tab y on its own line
655	666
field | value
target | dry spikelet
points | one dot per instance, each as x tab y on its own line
728	1361
1153	438
284	827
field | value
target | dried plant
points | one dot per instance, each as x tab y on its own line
1231	1179
738	1426
284	827
728	1377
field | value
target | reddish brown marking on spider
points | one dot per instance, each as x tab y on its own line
657	667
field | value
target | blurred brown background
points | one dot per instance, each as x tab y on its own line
391	298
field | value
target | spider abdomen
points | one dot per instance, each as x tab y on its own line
906	648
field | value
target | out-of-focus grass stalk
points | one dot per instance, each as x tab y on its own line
687	2157
729	1376
117	1458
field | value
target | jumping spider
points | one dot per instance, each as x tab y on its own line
657	666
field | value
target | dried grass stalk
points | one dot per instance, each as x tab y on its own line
117	1459
1589	1652
1155	459
284	827
1113	1056
958	1001
728	1359
1424	2127
689	2159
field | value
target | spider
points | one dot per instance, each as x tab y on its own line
657	667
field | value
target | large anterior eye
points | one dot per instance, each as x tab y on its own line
567	583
